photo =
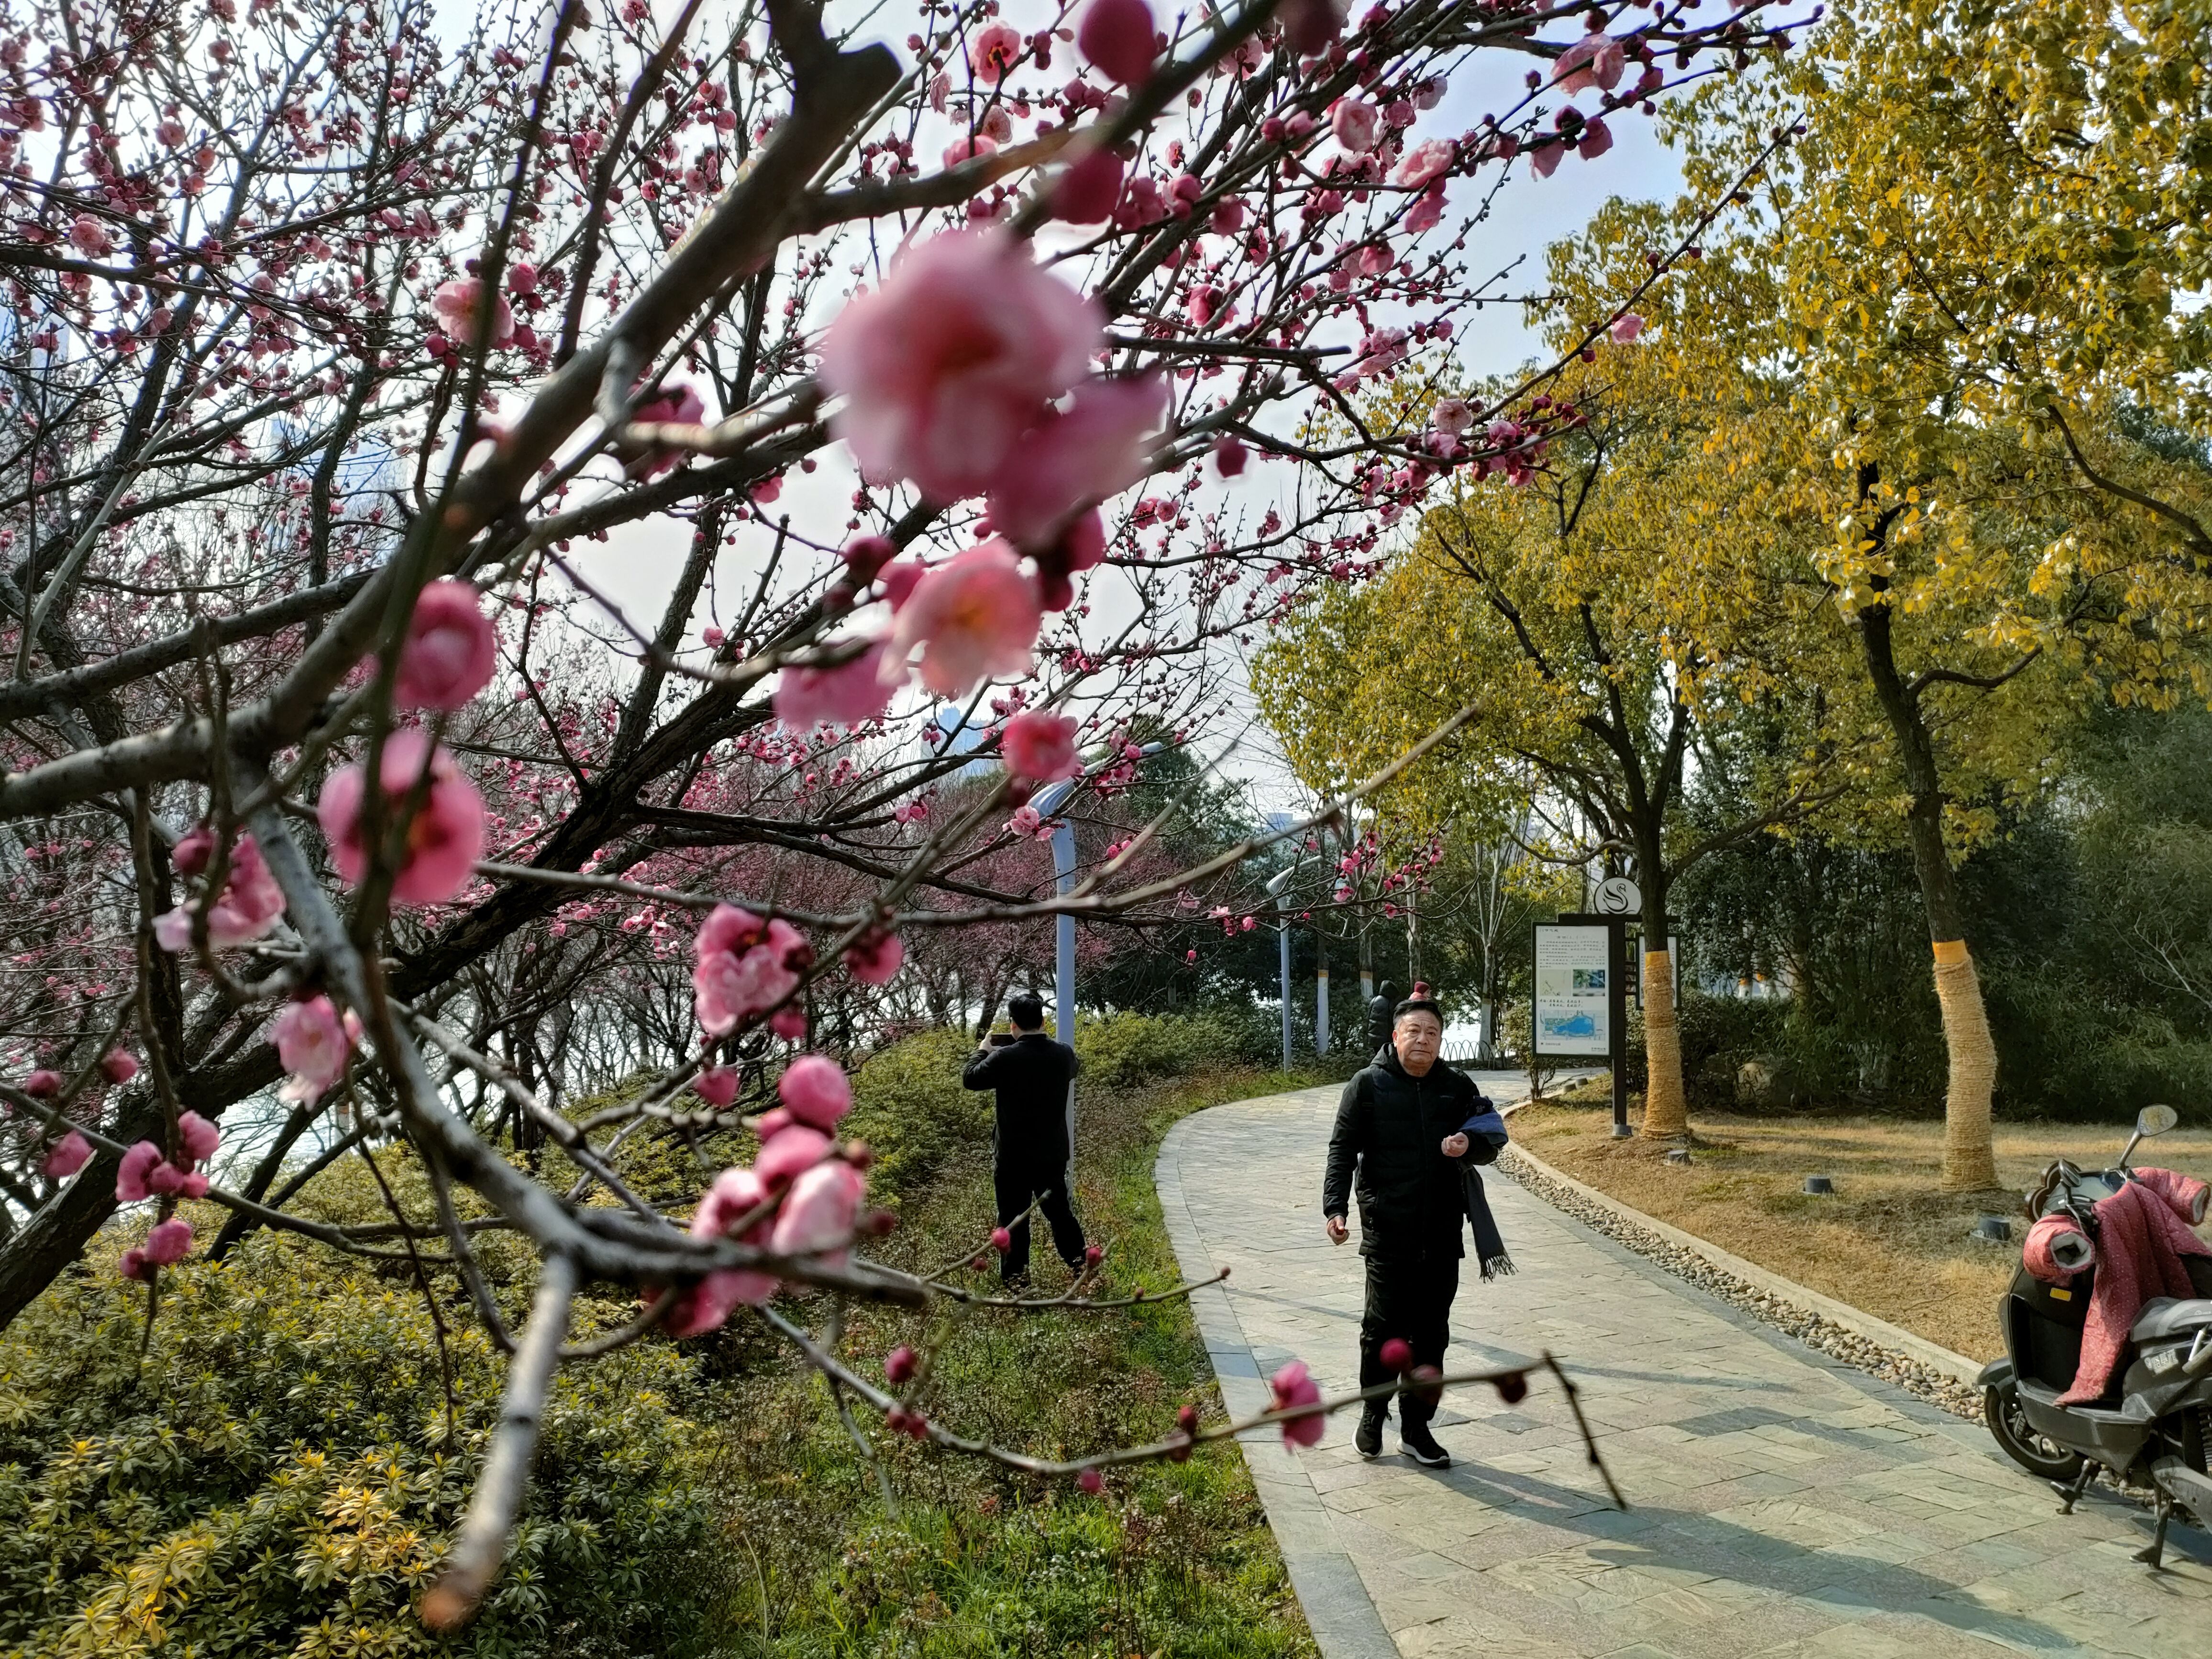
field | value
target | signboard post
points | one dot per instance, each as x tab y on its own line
1581	1012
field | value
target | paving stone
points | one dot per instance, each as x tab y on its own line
1781	1505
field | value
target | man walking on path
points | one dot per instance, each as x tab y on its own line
1400	1139
1035	1078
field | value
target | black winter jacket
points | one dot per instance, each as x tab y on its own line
1389	1127
1031	1074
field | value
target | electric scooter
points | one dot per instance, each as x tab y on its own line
2152	1426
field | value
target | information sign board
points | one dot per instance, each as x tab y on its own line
1574	992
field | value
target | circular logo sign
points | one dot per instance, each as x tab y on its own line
1617	896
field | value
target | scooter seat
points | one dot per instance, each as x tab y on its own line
2165	1318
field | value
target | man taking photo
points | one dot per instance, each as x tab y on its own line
1401	1143
1035	1078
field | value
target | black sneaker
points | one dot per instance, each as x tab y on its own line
1368	1439
1418	1443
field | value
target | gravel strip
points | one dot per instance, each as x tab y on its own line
1808	1328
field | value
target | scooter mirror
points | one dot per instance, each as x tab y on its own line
2156	1120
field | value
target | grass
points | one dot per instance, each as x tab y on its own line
1168	1560
1890	1242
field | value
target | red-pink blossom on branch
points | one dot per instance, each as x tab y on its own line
944	367
250	903
1294	1386
1396	1354
1310	25
1431	160
789	1151
974	617
1452	415
993	52
1039	747
199	1137
1098	448
451	648
1627	327
313	1041
138	1163
816	1092
900	1365
744	966
816	1216
170	1242
118	1066
1355	124
1119	38
443	838
44	1083
67	1155
875	959
1594	139
1595	60
844	695
677	405
1086	193
455	305
735	1194
717	1085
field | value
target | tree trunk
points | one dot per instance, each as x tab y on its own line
1666	1108
1969	1152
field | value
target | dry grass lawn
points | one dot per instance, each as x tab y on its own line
1889	1242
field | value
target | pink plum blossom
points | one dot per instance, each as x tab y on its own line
847	695
1102	445
790	1153
1594	139
312	1043
250	903
744	966
44	1083
200	1138
451	648
816	1092
1310	25
968	147
1355	124
875	959
170	1242
676	405
1627	327
944	367
1294	1386
1039	747
974	617
1086	192
67	1155
1427	211
1595	60
455	305
717	1085
1543	159
818	1212
993	53
118	1066
133	1264
735	1194
139	1162
1119	37
1431	160
1451	414
443	838
88	236
789	1022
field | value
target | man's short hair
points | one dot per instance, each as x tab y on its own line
1027	1012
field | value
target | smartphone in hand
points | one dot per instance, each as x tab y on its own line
999	1039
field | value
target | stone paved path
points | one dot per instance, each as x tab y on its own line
1782	1505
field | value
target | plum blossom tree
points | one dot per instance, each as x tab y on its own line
334	351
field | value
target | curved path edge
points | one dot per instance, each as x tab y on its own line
1337	1609
1854	1320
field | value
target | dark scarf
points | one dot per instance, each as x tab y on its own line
1489	1244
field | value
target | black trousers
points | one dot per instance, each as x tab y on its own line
1017	1184
1411	1301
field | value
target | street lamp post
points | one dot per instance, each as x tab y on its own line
1275	886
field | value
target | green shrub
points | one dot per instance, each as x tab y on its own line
1122	1050
276	1474
908	1105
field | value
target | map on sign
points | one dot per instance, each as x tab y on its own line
1574	1004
